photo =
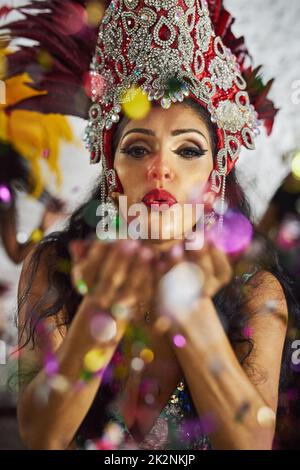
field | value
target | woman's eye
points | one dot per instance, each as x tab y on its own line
191	152
135	151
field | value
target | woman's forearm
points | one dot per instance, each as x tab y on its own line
53	424
219	386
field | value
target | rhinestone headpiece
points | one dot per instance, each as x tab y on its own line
168	48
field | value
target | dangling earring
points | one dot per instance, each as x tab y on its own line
210	219
111	209
109	178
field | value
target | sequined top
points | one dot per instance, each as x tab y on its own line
177	426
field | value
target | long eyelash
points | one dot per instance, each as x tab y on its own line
128	151
201	152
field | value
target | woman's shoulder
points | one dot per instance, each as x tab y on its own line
263	292
43	257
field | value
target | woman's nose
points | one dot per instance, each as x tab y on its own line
160	170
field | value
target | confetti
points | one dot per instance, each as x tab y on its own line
22	237
103	327
113	433
147	355
266	417
179	341
95	12
296	165
59	383
180	288
235	236
242	411
94	360
149	399
37	235
120	311
51	364
135	103
137	364
81	287
5	194
247	331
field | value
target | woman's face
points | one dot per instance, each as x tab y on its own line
171	150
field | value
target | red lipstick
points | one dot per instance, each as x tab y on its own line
159	197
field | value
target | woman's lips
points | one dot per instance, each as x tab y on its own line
158	197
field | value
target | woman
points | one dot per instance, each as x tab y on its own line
97	346
15	175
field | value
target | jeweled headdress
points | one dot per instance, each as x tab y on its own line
170	49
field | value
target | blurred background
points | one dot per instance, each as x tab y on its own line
271	29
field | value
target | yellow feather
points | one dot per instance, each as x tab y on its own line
31	133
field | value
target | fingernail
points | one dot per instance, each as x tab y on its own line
176	251
129	246
146	253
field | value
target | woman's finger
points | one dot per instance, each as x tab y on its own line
115	272
86	270
222	268
130	291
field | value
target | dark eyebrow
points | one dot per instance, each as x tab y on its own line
186	131
139	131
173	133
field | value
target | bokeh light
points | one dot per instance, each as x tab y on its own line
94	360
137	364
72	18
235	236
180	288
266	417
103	327
5	194
179	341
95	11
147	355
